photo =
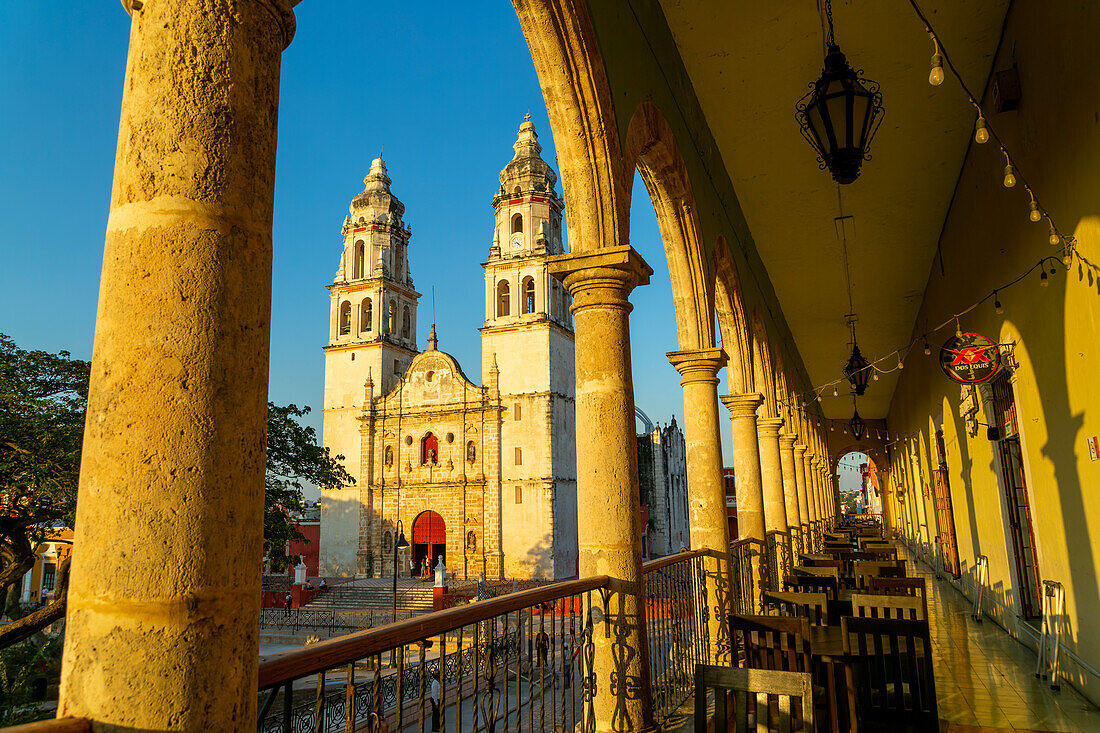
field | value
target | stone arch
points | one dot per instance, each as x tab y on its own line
732	326
357	268
651	147
517	223
366	315
391	319
762	367
406	323
345	318
571	71
527	295
504	299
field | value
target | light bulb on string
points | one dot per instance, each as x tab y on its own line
1033	212
927	348
935	74
832	428
1044	281
875	375
1067	258
997	307
835	392
981	132
1010	173
1054	239
901	364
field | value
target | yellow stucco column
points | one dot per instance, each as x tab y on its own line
706	489
790	483
811	486
800	484
163	607
608	523
771	473
746	463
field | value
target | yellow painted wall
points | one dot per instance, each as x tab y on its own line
1054	136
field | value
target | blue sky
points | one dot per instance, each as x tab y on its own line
441	87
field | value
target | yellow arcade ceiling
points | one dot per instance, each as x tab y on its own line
749	63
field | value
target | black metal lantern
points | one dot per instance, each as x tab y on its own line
840	114
856	424
857	370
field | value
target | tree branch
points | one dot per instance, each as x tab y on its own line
32	623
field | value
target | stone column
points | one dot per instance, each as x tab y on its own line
800	484
746	463
706	488
811	486
790	483
163	607
771	473
608	526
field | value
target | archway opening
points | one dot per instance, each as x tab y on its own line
860	490
429	542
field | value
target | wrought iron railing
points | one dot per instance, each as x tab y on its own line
322	619
677	620
779	558
747	563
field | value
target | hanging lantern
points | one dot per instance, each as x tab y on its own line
857	426
840	114
857	370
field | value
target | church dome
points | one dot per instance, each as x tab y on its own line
376	202
527	169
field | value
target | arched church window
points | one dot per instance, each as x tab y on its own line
358	269
389	455
517	223
504	299
406	324
398	262
554	299
429	450
391	322
516	190
528	295
345	318
366	315
471	452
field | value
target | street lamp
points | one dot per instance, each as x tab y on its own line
399	543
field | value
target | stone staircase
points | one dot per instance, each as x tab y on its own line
376	594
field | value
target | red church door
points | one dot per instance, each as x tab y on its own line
429	540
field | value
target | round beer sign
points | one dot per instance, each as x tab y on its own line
970	358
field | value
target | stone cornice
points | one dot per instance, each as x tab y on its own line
743	405
768	427
590	275
698	365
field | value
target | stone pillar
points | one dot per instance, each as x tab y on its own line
163	607
771	473
706	488
800	484
746	463
608	526
811	486
790	483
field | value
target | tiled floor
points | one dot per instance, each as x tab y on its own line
986	678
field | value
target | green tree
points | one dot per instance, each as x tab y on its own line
43	398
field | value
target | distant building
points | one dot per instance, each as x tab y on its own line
40	582
481	476
662	487
308	550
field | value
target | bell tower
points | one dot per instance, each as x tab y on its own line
372	332
528	335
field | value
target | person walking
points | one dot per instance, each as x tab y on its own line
542	647
412	568
288	601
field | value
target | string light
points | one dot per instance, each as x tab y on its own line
1054	239
1033	209
901	364
927	348
935	74
875	376
1044	281
835	392
981	132
997	307
1010	171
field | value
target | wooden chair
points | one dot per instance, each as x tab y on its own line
832	571
890	682
803	557
864	570
811	606
870	605
771	696
902	587
771	642
813	584
813	562
881	552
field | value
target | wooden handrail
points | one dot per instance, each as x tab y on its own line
276	669
664	562
54	725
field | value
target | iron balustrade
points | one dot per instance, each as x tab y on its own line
779	558
747	567
320	619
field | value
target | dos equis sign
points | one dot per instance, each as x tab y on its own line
970	358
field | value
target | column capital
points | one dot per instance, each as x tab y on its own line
800	449
786	441
742	405
768	427
601	277
281	10
697	365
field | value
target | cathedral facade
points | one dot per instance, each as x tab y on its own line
482	476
